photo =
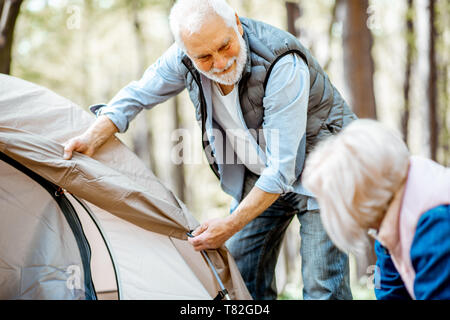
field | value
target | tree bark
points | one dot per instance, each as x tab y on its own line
9	10
445	115
358	62
432	83
409	57
293	12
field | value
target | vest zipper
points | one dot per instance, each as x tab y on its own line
205	144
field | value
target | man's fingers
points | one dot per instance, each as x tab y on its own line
199	230
68	148
198	243
75	144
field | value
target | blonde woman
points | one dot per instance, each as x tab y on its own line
365	182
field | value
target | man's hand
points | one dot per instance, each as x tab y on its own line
94	137
82	143
213	233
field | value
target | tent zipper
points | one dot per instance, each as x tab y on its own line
91	214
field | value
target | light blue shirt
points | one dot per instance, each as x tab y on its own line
285	109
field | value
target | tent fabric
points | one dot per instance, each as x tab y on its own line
94	182
103	271
143	221
48	247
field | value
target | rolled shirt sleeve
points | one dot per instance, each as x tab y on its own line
284	125
162	80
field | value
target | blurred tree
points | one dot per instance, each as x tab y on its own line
410	48
333	21
177	170
358	62
86	58
293	14
142	137
9	10
432	82
443	69
358	74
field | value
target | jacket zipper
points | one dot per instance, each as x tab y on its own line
203	114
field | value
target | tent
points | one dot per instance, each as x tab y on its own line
91	228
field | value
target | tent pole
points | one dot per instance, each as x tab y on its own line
216	275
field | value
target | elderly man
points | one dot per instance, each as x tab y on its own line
262	102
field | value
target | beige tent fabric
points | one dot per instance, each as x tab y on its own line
149	263
102	269
91	180
39	111
38	251
225	266
34	122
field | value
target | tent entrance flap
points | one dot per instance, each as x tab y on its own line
70	216
103	263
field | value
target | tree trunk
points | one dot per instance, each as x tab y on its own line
409	57
293	14
432	86
444	72
9	10
359	70
177	170
333	20
358	62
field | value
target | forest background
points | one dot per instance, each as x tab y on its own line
388	58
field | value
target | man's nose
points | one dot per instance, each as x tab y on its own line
220	62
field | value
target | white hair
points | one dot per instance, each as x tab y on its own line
189	15
354	176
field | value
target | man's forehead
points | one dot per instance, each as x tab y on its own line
213	32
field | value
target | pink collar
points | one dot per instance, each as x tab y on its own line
427	186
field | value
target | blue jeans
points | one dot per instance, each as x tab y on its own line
325	269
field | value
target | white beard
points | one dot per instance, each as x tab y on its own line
234	76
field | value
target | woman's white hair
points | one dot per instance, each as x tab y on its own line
189	15
354	175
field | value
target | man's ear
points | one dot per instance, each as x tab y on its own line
239	25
